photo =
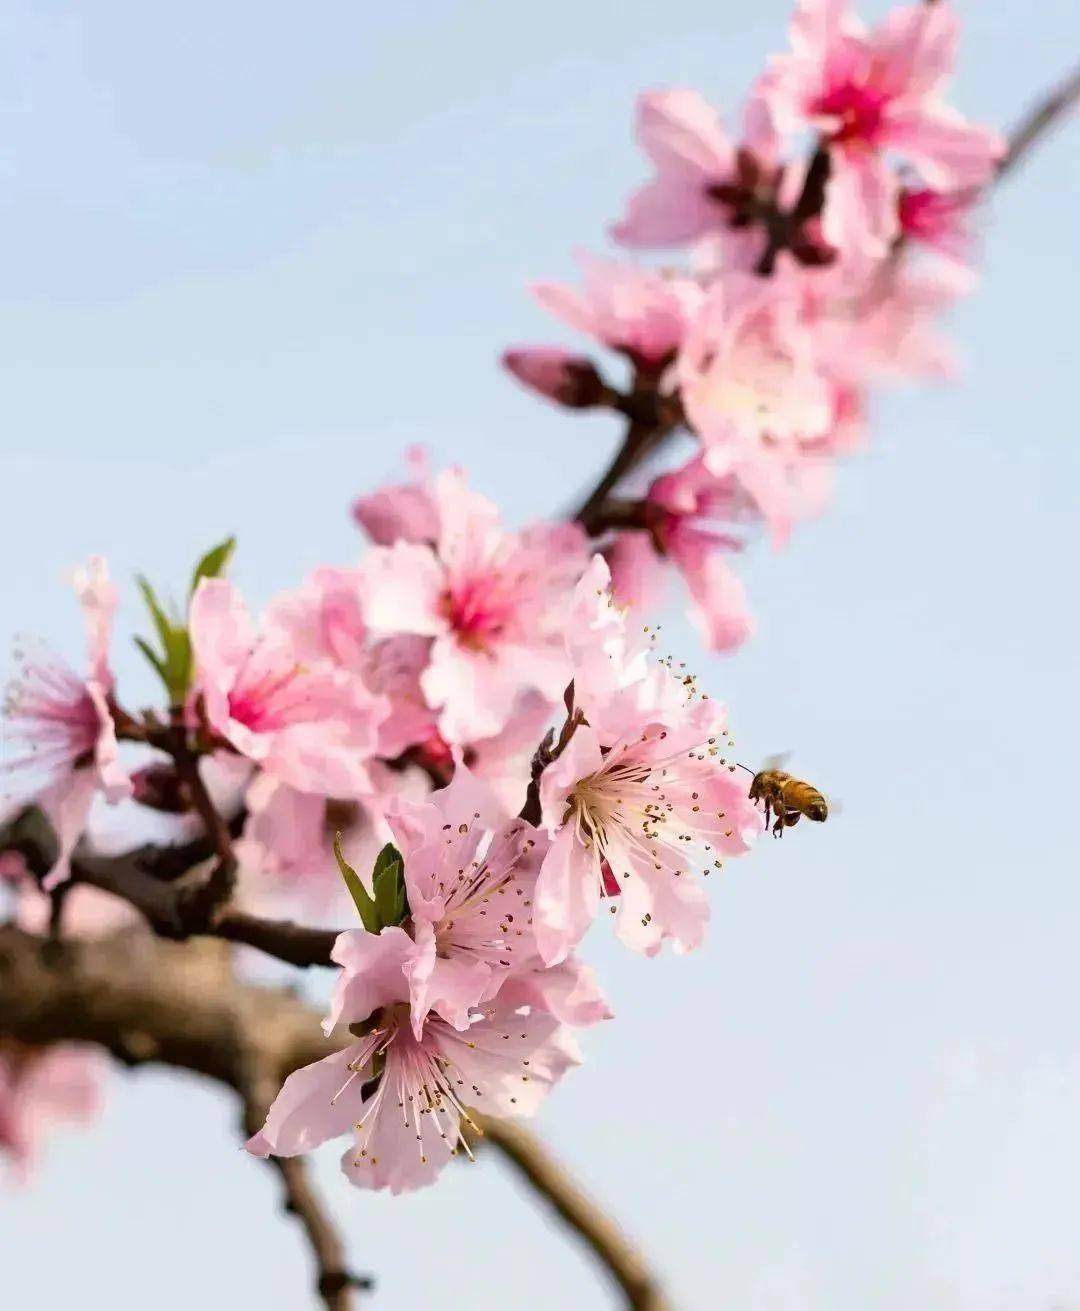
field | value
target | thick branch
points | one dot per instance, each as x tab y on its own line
1039	119
175	907
147	1000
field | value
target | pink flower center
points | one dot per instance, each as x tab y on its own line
858	109
928	214
274	700
478	610
434	753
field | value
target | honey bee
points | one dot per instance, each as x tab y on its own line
786	798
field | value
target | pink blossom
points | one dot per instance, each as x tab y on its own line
470	870
643	786
691	514
323	620
504	760
289	835
491	600
312	725
703	186
556	374
606	657
70	751
639	311
40	1086
871	93
639	576
393	669
683	136
889	330
651	806
403	512
940	220
404	1093
749	378
569	991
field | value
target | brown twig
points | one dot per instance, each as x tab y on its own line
643	437
222	880
334	1281
619	1256
1038	119
296	944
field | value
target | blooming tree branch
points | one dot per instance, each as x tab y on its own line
147	1001
461	747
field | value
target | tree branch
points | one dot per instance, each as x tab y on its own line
643	436
622	1260
1039	119
333	1280
177	908
147	1000
293	943
222	880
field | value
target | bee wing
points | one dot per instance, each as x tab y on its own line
778	761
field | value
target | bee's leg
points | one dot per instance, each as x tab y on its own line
792	817
778	827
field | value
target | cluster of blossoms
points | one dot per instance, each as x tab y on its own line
809	280
472	702
462	992
462	729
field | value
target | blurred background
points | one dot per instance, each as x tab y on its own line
252	252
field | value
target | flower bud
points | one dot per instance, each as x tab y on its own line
557	375
160	787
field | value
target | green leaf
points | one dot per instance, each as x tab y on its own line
151	655
389	883
160	618
388	856
179	664
369	916
214	562
174	663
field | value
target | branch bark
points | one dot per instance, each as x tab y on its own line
177	907
1039	118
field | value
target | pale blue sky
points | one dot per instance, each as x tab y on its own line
252	252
